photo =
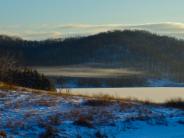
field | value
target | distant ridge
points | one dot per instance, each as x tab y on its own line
131	49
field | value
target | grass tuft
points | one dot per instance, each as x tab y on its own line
83	121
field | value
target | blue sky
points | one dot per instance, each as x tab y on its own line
39	19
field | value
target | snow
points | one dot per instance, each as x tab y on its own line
29	115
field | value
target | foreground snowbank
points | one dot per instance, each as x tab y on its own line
37	115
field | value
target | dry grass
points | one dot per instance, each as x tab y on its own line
93	100
97	102
48	102
104	97
148	102
3	134
175	103
7	87
91	116
84	121
100	100
124	105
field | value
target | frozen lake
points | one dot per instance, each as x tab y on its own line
153	94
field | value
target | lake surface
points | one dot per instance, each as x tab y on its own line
154	94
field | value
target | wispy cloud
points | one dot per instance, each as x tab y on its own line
55	31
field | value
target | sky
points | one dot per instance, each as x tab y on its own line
41	19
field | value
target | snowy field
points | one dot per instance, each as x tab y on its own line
152	94
30	115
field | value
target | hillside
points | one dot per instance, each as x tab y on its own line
136	50
25	114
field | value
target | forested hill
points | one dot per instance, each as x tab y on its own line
117	46
128	48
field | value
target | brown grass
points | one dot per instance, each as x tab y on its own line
50	132
84	121
175	103
46	102
100	100
6	86
3	134
125	105
94	100
97	102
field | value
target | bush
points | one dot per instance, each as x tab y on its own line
97	102
175	103
3	134
83	121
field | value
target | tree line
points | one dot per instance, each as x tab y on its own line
139	50
12	73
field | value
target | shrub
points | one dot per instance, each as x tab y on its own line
125	105
3	134
97	102
83	121
175	103
45	102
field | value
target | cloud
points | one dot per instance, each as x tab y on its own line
88	26
56	31
162	27
35	35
